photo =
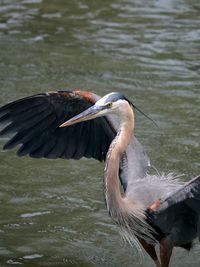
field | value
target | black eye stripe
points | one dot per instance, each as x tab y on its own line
114	97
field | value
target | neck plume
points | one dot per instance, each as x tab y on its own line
128	214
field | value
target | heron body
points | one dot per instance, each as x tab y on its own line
152	209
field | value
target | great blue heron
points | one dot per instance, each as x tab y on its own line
152	209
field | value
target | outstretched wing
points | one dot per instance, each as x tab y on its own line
34	122
183	203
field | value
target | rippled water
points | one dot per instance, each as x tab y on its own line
52	212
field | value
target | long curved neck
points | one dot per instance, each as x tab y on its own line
118	146
128	213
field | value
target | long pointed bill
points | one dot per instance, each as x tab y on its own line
88	114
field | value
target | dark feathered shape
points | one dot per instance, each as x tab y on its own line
35	122
178	212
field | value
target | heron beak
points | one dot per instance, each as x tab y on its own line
88	114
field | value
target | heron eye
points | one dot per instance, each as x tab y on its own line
109	105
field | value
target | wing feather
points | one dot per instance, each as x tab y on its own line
179	209
35	121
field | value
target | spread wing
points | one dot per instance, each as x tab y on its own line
34	124
183	203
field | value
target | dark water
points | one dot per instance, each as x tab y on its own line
52	212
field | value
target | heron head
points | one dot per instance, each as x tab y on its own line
113	103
